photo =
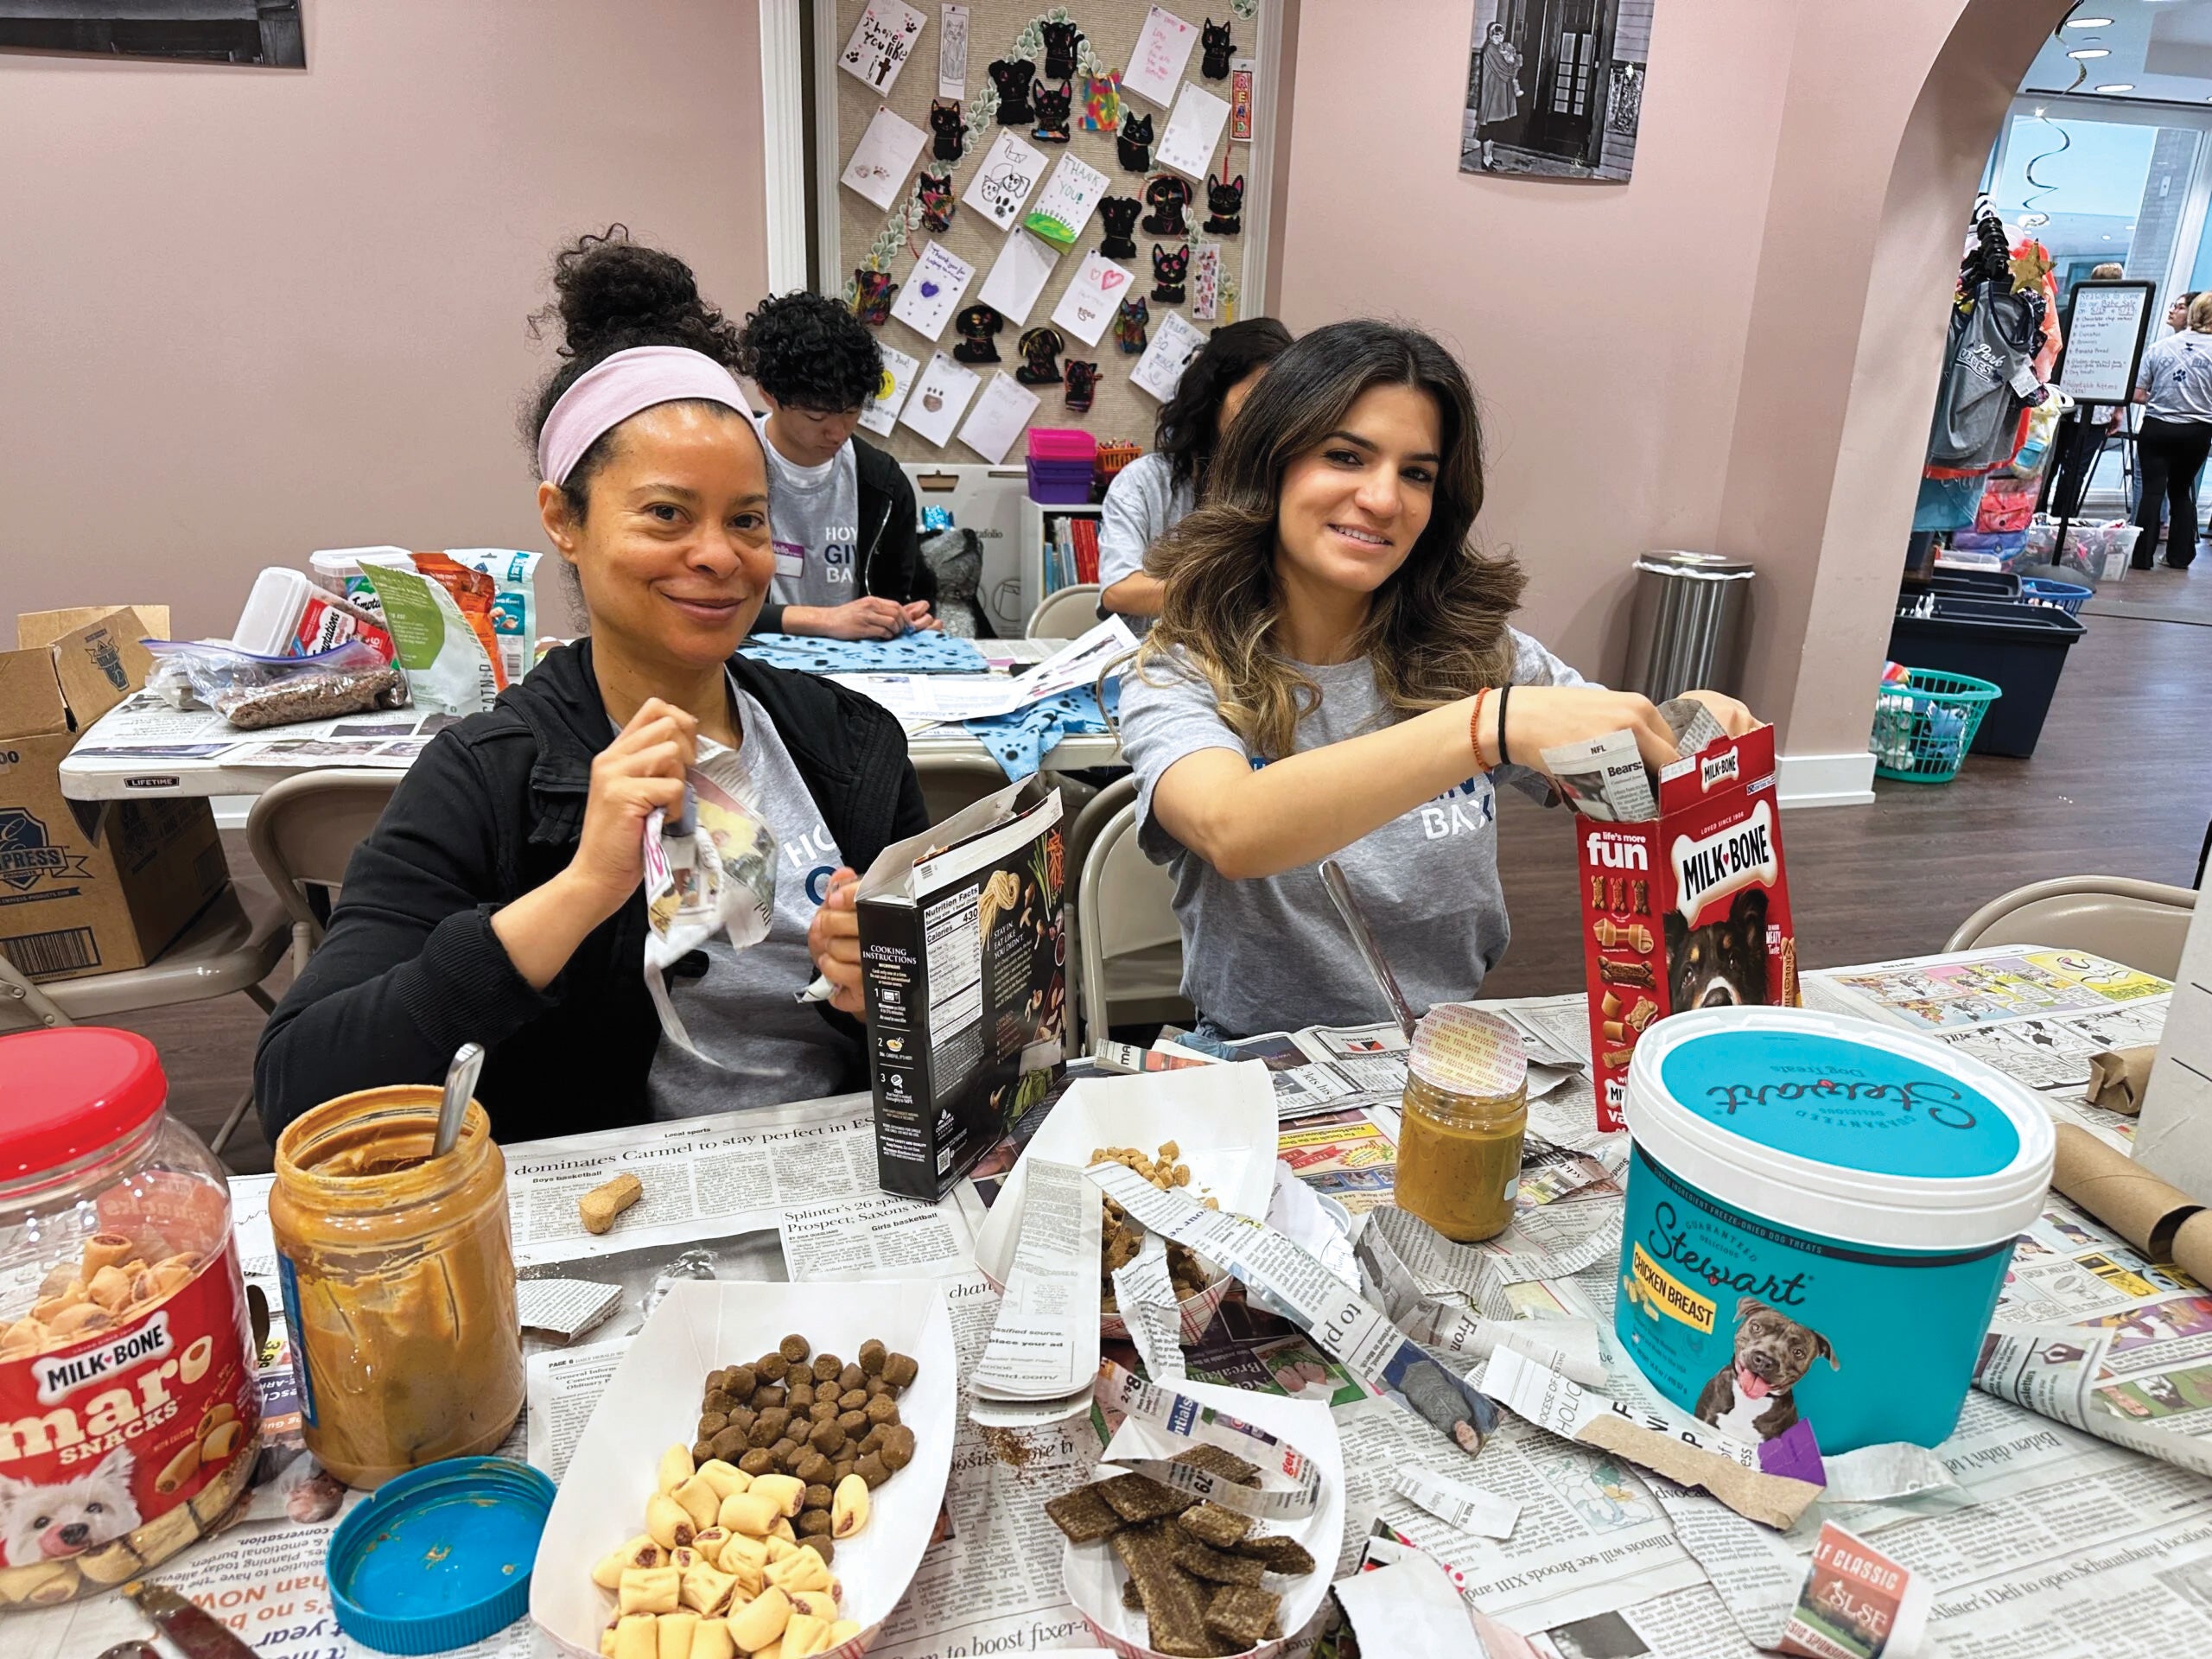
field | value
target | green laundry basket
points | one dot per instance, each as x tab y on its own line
1924	728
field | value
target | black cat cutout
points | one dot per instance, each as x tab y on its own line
1083	386
1053	109
1040	358
1059	50
1133	142
948	122
1214	38
1225	206
1167	197
934	190
975	326
1168	269
1119	215
1012	77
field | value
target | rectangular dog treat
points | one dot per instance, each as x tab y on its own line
1138	1498
1243	1614
600	1206
1643	904
1637	974
1597	892
1215	1460
1619	1056
1083	1515
1209	1523
1214	1566
1277	1553
1174	1602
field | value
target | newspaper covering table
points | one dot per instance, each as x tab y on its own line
2037	1538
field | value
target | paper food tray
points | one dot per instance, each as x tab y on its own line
1222	1119
1093	1573
654	1401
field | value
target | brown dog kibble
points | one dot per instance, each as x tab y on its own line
900	1370
600	1206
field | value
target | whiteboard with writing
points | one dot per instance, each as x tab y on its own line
2104	340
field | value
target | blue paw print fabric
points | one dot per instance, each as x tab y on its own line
1019	741
912	653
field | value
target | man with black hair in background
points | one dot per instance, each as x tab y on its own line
849	564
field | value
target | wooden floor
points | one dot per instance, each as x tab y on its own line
2121	785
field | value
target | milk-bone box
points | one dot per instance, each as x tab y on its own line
1688	910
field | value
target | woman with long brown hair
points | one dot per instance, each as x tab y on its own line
1333	674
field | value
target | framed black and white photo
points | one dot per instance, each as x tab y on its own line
263	32
1555	88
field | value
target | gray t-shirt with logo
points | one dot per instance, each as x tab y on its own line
2177	373
814	520
768	1047
1271	954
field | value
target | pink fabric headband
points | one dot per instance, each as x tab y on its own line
610	393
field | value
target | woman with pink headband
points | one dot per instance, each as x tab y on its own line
499	899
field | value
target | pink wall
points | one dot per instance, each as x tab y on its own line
1603	324
250	312
1737	350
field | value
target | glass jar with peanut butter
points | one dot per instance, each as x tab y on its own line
399	1284
1464	1117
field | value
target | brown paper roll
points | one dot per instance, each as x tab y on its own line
2125	1197
2117	1077
2193	1247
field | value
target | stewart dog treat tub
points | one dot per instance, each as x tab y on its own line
1820	1215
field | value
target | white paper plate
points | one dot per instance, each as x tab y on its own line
653	1403
1093	1573
1222	1119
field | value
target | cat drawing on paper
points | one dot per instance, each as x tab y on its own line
1059	50
949	124
1053	109
1133	142
935	192
1129	325
1167	270
1225	205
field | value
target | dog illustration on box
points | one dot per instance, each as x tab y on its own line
55	1522
1750	1397
1722	963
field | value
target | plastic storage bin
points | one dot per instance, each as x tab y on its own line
1061	461
1922	729
2018	646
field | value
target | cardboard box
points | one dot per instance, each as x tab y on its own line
963	963
73	903
1688	909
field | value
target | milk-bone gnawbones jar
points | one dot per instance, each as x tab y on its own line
129	1413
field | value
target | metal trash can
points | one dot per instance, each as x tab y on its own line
1684	631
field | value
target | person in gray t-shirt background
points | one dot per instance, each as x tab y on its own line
1333	674
848	561
1149	495
2174	384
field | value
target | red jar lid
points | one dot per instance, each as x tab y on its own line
73	1091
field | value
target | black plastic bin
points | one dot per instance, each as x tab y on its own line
2019	647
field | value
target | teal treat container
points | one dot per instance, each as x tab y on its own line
439	1557
1820	1215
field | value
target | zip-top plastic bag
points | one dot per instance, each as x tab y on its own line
252	692
710	869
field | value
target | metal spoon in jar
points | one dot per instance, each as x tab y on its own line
460	1085
1332	877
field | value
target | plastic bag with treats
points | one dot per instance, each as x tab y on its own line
711	869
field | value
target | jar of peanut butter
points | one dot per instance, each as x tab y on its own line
399	1284
1463	1117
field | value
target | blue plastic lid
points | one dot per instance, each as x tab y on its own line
1854	1105
440	1556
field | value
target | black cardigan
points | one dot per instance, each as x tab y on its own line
889	564
410	968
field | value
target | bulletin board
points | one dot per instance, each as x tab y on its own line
861	242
